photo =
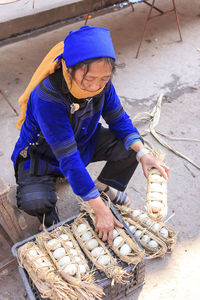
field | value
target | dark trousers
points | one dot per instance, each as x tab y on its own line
36	194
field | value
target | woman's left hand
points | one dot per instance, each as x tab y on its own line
149	161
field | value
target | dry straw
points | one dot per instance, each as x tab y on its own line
154	118
140	217
156	201
43	273
145	237
136	254
111	268
81	282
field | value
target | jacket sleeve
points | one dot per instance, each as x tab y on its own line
54	123
117	119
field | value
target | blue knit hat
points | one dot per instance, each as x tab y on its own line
86	43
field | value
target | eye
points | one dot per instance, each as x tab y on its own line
105	79
89	80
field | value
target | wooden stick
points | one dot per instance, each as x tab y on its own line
4	234
4	96
6	263
10	221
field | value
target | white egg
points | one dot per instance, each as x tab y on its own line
157	187
81	227
138	233
64	236
135	213
145	238
65	260
125	249
73	251
157	196
52	242
104	260
82	269
58	253
132	228
148	222
117	241
157	205
115	232
39	260
71	269
77	259
153	244
44	264
142	216
69	244
33	253
156	177
86	236
98	251
155	227
91	244
164	232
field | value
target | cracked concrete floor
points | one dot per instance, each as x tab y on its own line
164	66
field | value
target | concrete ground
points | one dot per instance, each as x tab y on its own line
164	66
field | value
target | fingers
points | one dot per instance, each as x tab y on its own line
145	171
100	234
164	170
110	238
117	223
106	236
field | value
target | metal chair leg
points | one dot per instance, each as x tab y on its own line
131	5
145	28
161	13
177	20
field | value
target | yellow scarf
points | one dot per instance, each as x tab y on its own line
47	67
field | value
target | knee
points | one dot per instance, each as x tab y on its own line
36	202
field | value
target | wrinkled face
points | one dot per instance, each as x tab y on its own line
96	78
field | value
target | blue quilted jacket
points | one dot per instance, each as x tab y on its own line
67	140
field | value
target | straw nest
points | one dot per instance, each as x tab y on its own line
132	254
159	229
156	201
43	273
97	252
70	262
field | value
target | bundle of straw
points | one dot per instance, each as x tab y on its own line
160	229
99	255
135	255
43	273
71	264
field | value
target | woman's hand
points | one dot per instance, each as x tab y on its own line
149	161
105	221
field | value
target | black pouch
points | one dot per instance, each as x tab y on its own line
41	156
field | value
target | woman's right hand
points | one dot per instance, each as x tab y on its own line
105	220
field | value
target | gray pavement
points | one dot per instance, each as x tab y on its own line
164	66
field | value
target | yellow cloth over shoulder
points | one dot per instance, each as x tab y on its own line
48	66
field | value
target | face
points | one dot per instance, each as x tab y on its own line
96	78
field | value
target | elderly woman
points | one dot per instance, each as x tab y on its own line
61	134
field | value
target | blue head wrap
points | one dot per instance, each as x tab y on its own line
86	43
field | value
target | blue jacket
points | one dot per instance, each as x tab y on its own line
71	138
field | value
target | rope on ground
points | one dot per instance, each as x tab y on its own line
154	118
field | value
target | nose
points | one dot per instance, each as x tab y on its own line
94	87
